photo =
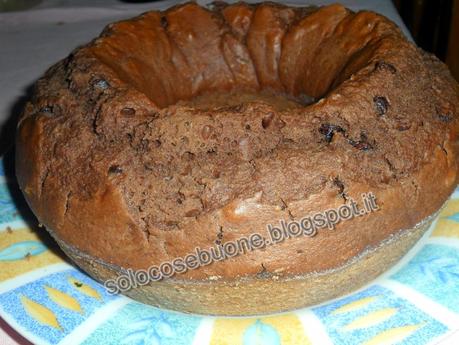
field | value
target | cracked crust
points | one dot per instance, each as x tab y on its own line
114	159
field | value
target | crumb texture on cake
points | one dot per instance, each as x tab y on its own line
130	151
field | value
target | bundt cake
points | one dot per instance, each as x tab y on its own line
210	159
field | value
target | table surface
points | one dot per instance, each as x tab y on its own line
32	40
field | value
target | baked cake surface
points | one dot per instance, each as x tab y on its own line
197	126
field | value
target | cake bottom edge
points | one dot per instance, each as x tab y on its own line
256	295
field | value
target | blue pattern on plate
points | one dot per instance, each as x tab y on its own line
261	333
19	250
139	324
35	291
8	211
434	271
403	314
454	217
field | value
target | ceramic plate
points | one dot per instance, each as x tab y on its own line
49	301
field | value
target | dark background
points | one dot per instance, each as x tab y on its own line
434	25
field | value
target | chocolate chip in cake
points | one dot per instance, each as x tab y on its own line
363	144
329	130
381	104
359	145
219	239
266	121
164	22
445	117
384	66
403	126
263	273
338	183
444	114
101	84
127	111
114	170
48	110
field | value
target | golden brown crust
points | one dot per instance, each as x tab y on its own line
243	297
113	168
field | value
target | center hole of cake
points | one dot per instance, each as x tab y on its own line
217	99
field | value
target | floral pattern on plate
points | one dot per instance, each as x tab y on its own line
141	324
377	316
22	250
270	330
53	306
